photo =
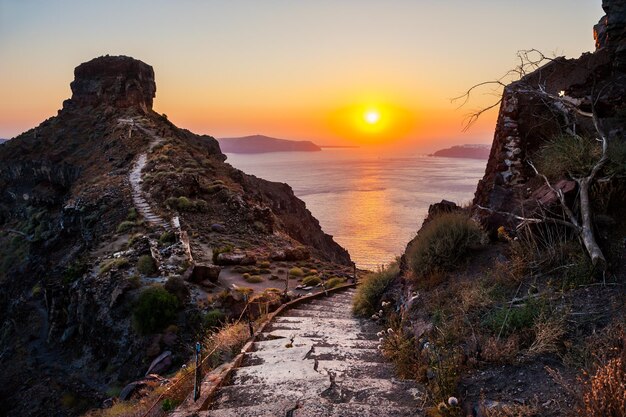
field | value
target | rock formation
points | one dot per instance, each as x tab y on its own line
610	32
113	80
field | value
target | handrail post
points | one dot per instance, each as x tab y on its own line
198	378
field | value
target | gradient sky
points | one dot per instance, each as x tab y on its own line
291	69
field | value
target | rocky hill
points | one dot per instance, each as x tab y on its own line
106	200
515	304
263	144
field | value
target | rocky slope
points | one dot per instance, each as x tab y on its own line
103	200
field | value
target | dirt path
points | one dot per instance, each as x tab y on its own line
315	360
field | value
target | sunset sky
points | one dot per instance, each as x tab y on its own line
292	69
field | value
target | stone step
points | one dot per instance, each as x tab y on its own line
264	345
368	391
309	409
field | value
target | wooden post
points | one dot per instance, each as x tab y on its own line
198	379
354	271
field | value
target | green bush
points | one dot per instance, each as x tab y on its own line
565	155
264	264
155	309
181	203
176	286
146	265
132	214
167	238
117	263
254	279
334	282
76	270
513	319
125	226
213	319
443	243
296	272
311	280
367	298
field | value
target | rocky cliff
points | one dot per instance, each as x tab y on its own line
503	326
99	203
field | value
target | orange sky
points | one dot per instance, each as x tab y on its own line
295	70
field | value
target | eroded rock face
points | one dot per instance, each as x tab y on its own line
610	32
119	81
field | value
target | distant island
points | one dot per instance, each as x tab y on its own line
262	144
3	140
338	146
476	151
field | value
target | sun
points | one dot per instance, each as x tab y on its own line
372	117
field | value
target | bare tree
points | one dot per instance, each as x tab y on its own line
568	107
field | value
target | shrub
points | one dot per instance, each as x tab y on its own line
76	270
334	282
146	265
296	272
181	203
177	287
167	238
367	298
125	226
132	214
311	280
605	394
443	243
116	263
567	154
254	279
264	264
155	309
510	319
213	319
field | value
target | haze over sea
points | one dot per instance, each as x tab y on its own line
372	203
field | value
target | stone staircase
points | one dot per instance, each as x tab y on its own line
134	177
315	359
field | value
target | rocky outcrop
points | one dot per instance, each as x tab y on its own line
610	32
530	116
118	81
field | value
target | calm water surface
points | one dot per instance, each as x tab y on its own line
371	203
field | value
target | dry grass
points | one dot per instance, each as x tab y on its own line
510	410
501	350
605	394
549	331
473	295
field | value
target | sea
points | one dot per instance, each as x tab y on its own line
372	203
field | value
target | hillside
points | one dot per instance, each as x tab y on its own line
119	234
465	151
3	140
263	144
515	305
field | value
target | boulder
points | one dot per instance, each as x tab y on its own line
294	254
232	258
203	272
161	363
